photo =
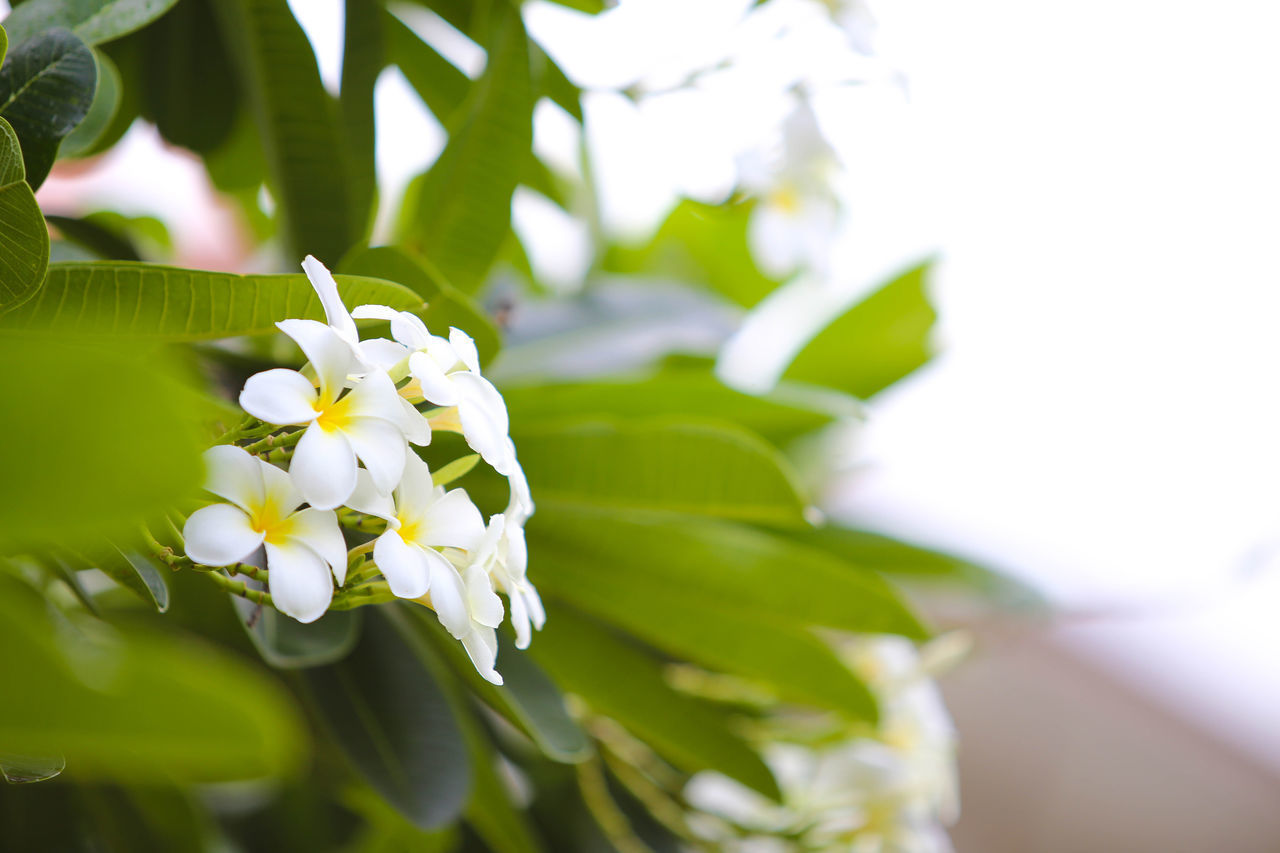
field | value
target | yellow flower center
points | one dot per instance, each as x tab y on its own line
272	521
335	416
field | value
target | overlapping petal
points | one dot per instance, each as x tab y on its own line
233	474
405	566
330	356
279	396
301	584
220	535
324	467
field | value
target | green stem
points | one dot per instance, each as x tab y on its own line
372	593
273	441
239	588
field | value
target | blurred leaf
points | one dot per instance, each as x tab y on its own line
461	212
553	83
446	305
189	85
102	111
876	342
780	416
363	58
126	56
705	468
455	470
527	697
694	617
95	21
394	722
440	85
748	571
298	125
134	706
46	88
702	244
102	241
622	681
24	253
286	643
134	572
22	769
4	44
96	438
167	303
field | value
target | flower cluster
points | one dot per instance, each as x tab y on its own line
356	403
891	789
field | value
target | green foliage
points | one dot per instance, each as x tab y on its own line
97	238
46	88
875	343
134	572
94	21
441	86
286	643
459	212
298	126
102	111
362	60
167	303
24	254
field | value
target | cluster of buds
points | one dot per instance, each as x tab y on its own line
356	403
889	788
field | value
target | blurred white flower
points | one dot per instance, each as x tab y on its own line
504	557
302	548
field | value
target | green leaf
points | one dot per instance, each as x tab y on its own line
188	81
286	643
701	244
97	438
621	680
46	89
440	85
23	769
446	305
4	44
24	253
167	303
135	573
705	468
95	21
461	213
750	571
102	241
394	722
456	469
132	705
101	115
876	342
691	616
363	58
553	83
298	125
788	412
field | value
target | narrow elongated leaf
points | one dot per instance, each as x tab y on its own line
135	706
440	85
46	88
97	238
101	115
94	21
750	571
24	248
4	44
394	722
189	86
461	212
553	83
622	681
168	303
134	572
704	468
687	618
875	343
363	58
298	125
446	305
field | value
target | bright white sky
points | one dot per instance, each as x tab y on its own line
1101	179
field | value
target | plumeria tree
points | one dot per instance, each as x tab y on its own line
420	554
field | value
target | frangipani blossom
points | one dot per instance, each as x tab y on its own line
302	548
504	557
448	373
369	423
377	353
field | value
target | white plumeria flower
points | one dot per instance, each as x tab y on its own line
302	548
370	423
448	372
377	353
504	557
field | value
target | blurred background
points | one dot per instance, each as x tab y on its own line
1099	186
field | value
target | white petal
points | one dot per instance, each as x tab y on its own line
301	585
318	530
520	506
383	354
235	475
337	314
482	647
374	396
219	535
465	347
516	558
374	312
367	499
415	427
279	396
280	490
381	447
324	467
406	328
452	521
484	421
436	387
533	601
448	594
485	605
520	620
442	353
329	354
404	566
416	491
